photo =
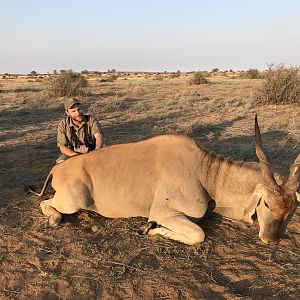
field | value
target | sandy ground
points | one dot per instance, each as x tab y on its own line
90	257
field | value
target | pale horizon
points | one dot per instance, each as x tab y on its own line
147	36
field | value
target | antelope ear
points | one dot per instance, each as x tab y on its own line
298	196
254	202
279	179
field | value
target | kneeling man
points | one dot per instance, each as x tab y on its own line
77	133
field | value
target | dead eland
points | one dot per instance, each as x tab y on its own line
169	179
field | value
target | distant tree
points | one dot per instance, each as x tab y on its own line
33	73
54	72
215	70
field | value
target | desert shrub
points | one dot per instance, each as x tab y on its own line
159	77
109	78
252	74
175	74
198	78
281	86
67	84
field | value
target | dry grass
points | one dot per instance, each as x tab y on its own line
90	257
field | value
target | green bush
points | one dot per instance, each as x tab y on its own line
67	84
281	86
198	78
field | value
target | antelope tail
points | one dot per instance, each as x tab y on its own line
30	190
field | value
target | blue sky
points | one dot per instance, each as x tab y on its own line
147	35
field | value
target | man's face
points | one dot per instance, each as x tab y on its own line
75	112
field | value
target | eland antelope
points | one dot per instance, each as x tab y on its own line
169	179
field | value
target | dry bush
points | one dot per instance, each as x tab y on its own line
251	74
109	78
198	78
282	85
175	74
67	84
159	77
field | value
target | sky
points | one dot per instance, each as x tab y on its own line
147	35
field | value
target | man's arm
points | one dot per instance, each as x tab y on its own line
99	140
96	132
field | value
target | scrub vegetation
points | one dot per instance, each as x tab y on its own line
282	85
66	84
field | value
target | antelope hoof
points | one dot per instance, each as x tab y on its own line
53	222
144	229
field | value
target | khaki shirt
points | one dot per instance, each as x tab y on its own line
89	125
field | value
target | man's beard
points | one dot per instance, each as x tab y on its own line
78	119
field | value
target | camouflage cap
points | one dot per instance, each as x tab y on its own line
70	102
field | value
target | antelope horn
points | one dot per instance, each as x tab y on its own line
264	164
293	181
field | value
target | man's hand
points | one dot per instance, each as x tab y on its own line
82	149
67	151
